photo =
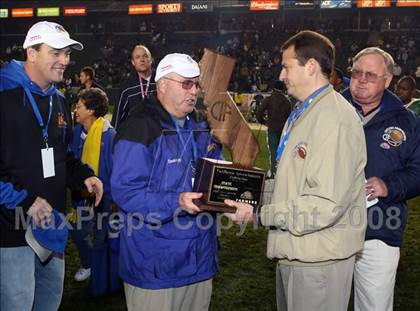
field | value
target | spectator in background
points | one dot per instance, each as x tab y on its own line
87	79
397	71
75	81
275	67
392	172
92	143
138	87
406	90
274	111
337	80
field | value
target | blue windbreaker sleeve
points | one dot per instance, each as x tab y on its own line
404	184
13	194
9	196
130	184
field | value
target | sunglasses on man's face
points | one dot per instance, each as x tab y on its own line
186	84
369	76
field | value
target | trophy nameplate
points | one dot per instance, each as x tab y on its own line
219	180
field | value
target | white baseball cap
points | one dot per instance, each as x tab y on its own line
52	34
44	241
181	64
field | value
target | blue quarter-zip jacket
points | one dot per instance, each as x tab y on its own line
161	245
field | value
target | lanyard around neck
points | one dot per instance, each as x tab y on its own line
191	136
44	127
293	117
143	91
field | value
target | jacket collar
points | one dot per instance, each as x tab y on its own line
324	93
13	75
163	115
390	104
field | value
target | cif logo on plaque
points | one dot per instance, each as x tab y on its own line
219	110
218	180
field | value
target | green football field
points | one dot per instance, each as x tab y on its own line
246	281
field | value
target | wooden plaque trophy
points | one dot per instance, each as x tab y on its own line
219	180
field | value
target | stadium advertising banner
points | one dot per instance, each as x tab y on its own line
74	11
134	9
198	6
408	2
299	4
22	12
4	13
169	8
373	3
335	4
48	11
264	5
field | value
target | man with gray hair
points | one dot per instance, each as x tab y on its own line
392	172
168	251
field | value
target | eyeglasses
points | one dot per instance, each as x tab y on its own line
186	84
369	76
79	106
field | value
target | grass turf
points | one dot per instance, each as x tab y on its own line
246	281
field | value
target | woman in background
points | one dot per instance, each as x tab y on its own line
92	142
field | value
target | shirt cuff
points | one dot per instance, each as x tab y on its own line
269	216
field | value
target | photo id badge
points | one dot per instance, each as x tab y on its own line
48	168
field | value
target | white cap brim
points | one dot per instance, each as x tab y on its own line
42	252
58	44
63	43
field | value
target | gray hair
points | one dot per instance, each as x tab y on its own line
389	61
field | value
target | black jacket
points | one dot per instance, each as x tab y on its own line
130	96
278	108
21	141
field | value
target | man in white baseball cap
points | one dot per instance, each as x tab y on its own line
155	155
32	269
177	84
51	34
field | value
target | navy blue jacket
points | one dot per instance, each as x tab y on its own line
130	96
161	245
21	141
393	150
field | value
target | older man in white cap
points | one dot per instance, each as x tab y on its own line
168	251
35	169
